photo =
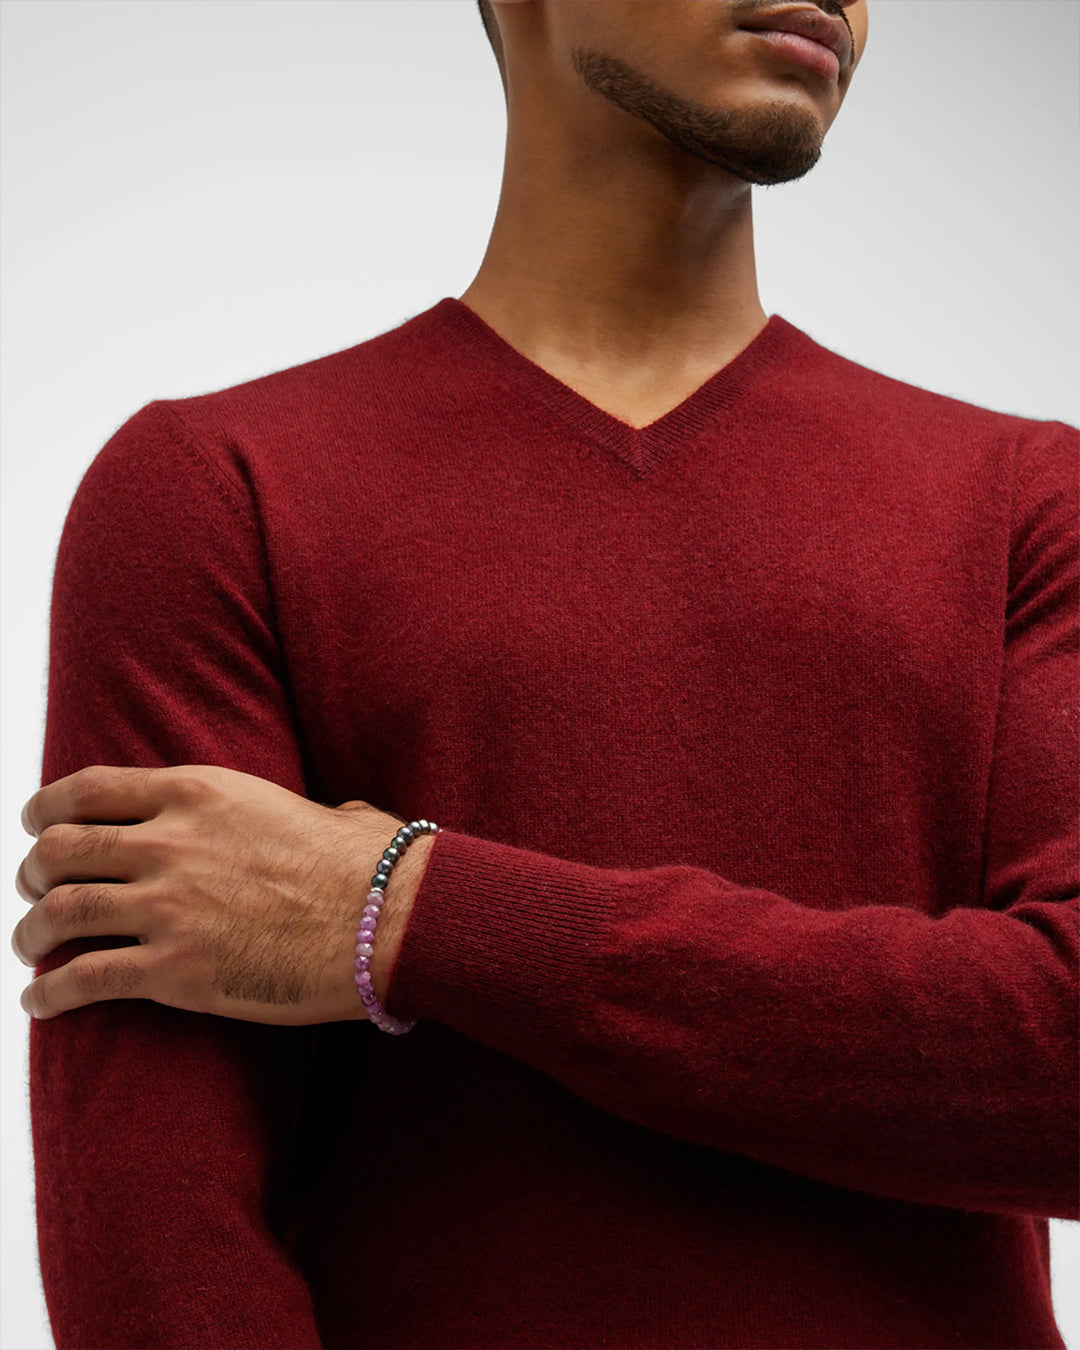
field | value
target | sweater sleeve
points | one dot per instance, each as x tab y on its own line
931	1059
159	1134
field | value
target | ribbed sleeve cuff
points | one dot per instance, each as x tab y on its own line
501	943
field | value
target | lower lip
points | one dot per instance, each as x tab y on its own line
802	50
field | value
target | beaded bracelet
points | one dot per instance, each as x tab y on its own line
366	935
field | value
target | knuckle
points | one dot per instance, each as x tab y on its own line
109	837
52	908
87	841
192	784
54	842
158	847
170	906
89	904
87	974
90	782
161	906
121	977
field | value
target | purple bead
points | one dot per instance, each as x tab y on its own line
363	977
362	963
367	928
373	911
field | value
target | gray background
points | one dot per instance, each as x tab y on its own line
195	194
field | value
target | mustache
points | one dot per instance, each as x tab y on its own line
742	8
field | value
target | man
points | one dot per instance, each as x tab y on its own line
740	680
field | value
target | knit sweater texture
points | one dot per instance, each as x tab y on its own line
746	957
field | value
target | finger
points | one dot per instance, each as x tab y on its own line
93	977
70	853
22	886
100	792
68	912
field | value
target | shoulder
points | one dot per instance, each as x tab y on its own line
895	420
270	428
325	387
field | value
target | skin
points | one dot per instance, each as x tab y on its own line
244	897
621	259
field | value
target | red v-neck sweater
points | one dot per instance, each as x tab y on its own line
746	960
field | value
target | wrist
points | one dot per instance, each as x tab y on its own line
400	895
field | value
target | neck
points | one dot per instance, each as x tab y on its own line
651	269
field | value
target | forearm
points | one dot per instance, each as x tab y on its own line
870	1046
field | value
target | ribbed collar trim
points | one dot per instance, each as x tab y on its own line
639	447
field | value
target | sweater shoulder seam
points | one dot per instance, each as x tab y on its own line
191	441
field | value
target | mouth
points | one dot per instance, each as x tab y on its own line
803	51
806	35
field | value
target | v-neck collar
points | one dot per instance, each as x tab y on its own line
641	448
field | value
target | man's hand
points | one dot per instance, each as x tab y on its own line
245	897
